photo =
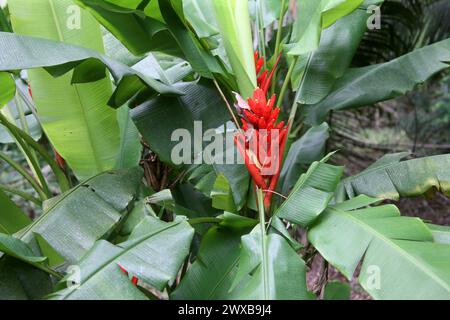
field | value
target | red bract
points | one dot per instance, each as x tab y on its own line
134	280
262	143
264	78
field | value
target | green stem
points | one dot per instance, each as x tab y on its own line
21	194
262	224
4	22
64	183
48	270
24	125
260	26
204	220
23	121
287	80
21	170
280	29
278	40
14	131
297	95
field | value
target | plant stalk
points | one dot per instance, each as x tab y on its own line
260	27
230	110
262	224
49	271
25	127
196	221
26	148
287	80
280	29
278	40
297	95
21	194
21	170
64	183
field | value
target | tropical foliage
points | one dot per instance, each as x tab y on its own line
91	94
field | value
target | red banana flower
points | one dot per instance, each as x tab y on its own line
264	138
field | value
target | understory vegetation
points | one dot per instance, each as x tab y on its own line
333	117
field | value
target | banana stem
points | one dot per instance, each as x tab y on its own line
262	224
21	170
204	220
64	183
278	41
287	81
21	194
26	148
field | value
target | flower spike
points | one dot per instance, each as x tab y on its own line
263	141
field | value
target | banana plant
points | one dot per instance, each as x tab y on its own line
154	227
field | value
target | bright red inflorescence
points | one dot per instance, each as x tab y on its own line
262	143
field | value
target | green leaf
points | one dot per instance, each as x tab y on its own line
20	281
392	79
336	290
144	255
222	195
389	178
4	21
12	219
356	203
193	204
399	258
285	275
8	88
93	209
163	198
309	148
234	24
212	273
18	112
198	13
200	60
233	186
311	194
277	226
88	145
140	34
331	60
307	27
100	278
161	117
145	252
130	149
313	16
333	10
19	250
441	234
139	212
59	58
270	10
130	4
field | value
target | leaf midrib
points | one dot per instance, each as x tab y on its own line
222	279
123	252
403	252
75	88
373	70
50	210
